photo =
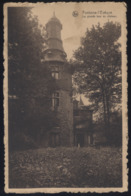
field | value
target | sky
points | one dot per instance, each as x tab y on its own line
74	28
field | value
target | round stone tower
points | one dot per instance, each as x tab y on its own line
55	58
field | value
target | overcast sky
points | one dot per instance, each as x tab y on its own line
75	27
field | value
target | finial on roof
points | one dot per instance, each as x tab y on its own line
81	102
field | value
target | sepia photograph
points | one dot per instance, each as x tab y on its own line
65	97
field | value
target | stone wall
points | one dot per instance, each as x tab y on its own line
65	116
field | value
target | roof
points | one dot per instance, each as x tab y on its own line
54	19
81	102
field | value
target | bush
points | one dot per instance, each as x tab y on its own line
21	141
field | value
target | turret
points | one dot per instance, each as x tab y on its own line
54	50
61	102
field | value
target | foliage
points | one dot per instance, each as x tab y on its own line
97	65
30	82
66	167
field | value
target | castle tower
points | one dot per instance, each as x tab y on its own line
55	58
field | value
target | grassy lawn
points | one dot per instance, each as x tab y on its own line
66	167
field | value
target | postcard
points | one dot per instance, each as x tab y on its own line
65	97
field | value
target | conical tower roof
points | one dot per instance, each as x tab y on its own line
81	102
54	19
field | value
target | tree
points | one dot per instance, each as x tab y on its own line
30	83
97	64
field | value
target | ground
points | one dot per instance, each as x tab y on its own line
66	167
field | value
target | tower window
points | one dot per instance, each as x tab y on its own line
55	100
55	75
55	72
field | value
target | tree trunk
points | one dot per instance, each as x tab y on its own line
108	118
105	113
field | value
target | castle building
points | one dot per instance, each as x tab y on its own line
74	125
62	105
83	125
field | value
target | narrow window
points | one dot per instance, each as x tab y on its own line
54	139
55	75
55	100
55	72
